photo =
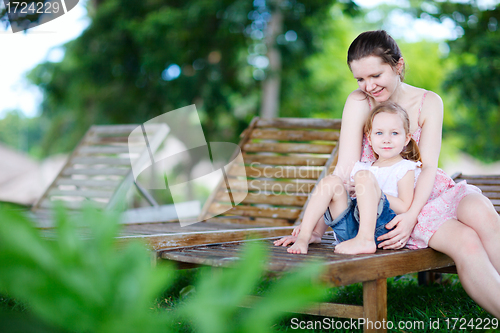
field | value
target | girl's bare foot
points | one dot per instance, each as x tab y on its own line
357	245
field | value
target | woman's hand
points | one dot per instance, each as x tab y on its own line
397	238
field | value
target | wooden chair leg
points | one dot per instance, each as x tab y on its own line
375	305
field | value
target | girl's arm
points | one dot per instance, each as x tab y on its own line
430	146
402	202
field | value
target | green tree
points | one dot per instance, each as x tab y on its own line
21	133
140	59
476	77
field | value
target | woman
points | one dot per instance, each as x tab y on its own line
455	219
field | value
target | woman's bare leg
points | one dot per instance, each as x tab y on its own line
477	212
330	192
368	195
475	270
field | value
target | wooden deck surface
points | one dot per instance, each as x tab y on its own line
340	269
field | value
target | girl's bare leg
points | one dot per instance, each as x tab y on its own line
330	192
368	195
477	274
477	212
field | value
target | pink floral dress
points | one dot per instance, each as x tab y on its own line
442	204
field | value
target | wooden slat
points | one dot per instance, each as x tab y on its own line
384	264
488	188
274	212
322	309
492	195
96	172
289	135
480	181
461	176
271	199
103	150
287	172
48	204
160	242
260	221
87	182
275	187
299	123
289	148
101	160
110	140
495	202
112	129
81	193
305	160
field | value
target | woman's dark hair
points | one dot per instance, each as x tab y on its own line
375	43
410	151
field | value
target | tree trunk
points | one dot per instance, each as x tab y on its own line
270	102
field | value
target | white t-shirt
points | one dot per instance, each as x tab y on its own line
388	177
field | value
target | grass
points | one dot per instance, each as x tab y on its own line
416	308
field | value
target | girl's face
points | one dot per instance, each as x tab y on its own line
376	78
388	136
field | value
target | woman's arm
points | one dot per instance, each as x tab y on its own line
402	202
356	110
430	146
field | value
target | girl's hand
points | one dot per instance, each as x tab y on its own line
349	187
296	230
284	241
398	237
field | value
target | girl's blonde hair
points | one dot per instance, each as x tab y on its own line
410	151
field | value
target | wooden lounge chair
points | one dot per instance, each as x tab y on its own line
284	158
98	170
221	248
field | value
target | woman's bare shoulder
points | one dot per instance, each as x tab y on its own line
357	96
432	106
357	101
433	99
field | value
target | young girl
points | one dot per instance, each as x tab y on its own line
383	188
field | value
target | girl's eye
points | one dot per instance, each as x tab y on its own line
360	80
378	75
378	133
395	133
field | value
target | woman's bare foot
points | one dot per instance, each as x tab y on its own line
357	245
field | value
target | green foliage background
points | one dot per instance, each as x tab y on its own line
112	73
81	278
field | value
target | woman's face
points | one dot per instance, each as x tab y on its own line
375	77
